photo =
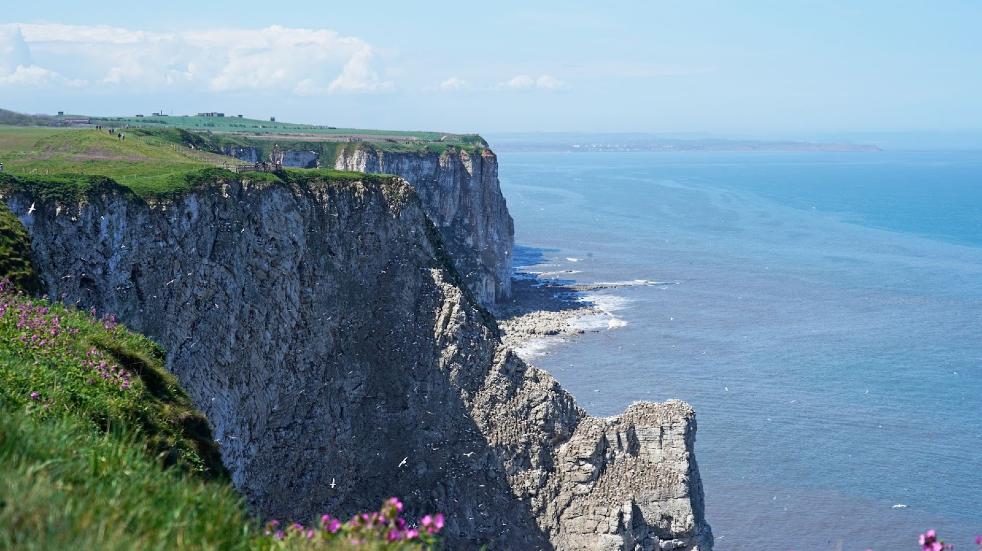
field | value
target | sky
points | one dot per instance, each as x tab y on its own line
751	68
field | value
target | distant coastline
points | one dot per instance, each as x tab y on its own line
578	143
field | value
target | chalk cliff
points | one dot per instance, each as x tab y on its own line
323	330
459	190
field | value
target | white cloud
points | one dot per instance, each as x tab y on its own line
453	84
358	75
30	75
17	67
520	82
13	49
274	59
549	82
526	82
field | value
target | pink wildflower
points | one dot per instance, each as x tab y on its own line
35	396
394	502
929	541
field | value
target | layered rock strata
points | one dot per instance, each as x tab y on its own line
324	331
460	192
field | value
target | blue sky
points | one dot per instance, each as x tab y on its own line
756	68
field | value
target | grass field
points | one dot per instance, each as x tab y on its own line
254	126
139	162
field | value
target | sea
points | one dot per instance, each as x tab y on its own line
821	311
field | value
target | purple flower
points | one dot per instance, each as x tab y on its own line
438	521
394	502
412	534
330	524
978	540
929	541
35	396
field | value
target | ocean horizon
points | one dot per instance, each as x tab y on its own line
819	310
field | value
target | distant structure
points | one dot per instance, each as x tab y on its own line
159	114
211	114
61	113
139	116
240	116
74	121
272	119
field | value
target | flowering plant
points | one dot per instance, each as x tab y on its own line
385	527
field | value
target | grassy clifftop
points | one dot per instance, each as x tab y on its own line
100	448
68	163
139	162
153	161
246	126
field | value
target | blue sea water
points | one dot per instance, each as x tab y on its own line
821	311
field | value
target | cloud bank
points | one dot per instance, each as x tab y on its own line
305	62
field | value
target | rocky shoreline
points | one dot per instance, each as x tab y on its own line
544	311
541	310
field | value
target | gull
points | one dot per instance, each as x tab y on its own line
332	483
31	210
467	454
403	462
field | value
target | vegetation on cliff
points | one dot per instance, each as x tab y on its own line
66	165
15	253
100	448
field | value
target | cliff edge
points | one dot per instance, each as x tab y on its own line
322	328
457	185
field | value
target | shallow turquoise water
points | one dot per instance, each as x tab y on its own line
822	312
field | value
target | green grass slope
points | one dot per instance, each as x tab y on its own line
100	448
15	253
138	161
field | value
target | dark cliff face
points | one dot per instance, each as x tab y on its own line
460	192
325	339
